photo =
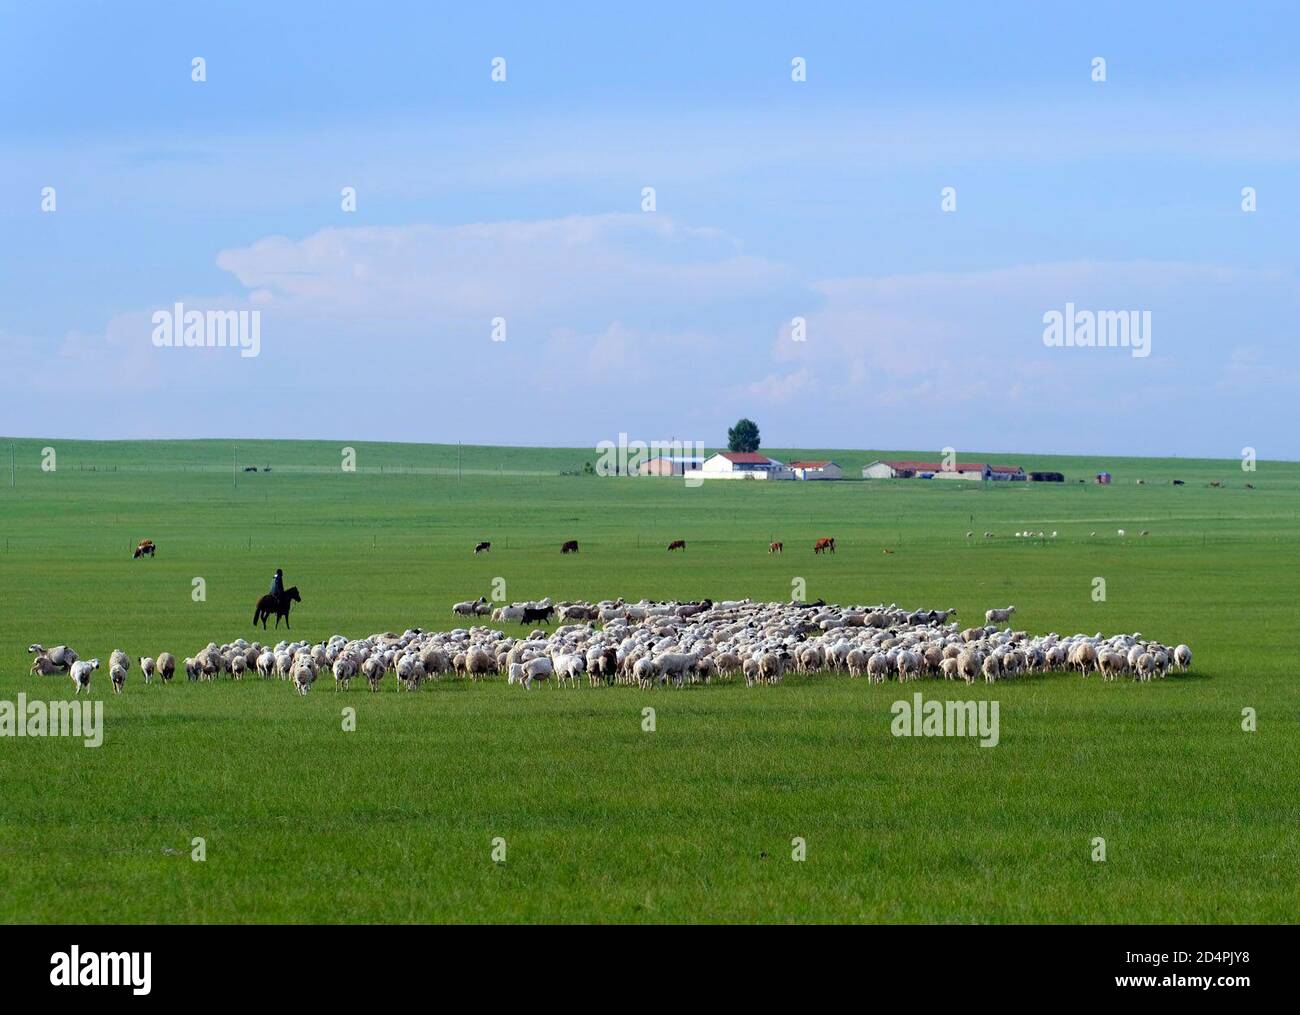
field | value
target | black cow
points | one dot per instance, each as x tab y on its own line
570	547
483	547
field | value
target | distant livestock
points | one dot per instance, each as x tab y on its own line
571	546
824	545
777	547
999	616
677	544
144	548
482	547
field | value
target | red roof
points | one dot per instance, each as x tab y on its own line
745	458
810	465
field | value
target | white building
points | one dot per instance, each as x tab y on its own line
816	470
741	465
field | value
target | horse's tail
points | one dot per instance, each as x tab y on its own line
257	610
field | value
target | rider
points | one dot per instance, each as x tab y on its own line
277	585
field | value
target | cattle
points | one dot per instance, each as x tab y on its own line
777	547
145	547
888	552
824	545
537	613
677	544
483	547
570	547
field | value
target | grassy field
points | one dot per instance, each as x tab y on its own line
604	822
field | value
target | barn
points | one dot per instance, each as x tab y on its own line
978	471
816	470
666	465
966	470
741	465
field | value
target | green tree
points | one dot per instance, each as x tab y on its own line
743	436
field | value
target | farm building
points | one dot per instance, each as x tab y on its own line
665	465
935	470
816	470
1047	477
966	470
741	465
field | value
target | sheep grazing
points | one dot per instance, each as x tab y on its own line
80	673
43	666
166	667
992	668
59	659
647	643
147	667
117	674
344	670
1182	657
537	669
304	674
470	607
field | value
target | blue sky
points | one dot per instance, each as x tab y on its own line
775	199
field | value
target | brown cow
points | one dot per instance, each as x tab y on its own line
826	543
776	547
145	546
570	547
677	544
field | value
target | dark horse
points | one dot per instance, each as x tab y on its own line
269	604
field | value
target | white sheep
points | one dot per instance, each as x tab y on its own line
80	672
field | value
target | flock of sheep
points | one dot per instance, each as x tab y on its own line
650	643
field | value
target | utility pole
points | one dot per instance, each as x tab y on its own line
13	469
458	461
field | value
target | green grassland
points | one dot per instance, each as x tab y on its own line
605	822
